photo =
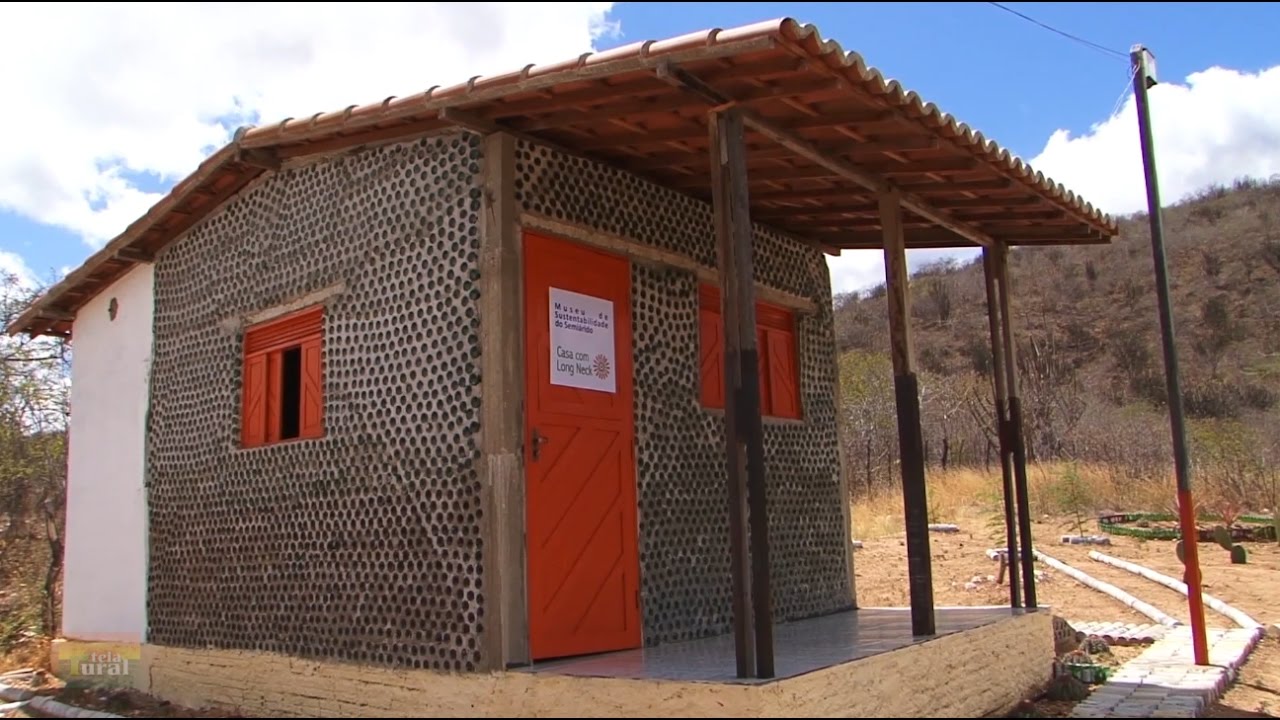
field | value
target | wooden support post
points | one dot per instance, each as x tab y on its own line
750	420
739	555
502	387
1017	441
910	438
1002	428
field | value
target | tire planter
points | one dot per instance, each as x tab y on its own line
1249	527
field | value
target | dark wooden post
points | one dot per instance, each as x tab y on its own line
910	438
744	428
1016	438
739	556
1002	425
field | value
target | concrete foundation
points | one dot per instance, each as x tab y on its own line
972	673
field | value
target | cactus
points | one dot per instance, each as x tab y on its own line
1239	556
1222	536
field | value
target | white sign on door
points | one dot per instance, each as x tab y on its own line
582	346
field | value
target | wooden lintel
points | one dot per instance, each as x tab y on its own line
262	158
655	256
133	254
807	150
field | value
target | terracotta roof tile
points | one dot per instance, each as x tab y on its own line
598	91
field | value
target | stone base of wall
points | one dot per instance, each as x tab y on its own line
981	672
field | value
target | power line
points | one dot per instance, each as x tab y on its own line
1094	45
1124	93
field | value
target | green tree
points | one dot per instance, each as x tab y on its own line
33	413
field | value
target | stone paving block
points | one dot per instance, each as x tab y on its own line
1164	681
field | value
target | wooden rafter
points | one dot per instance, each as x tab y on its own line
808	151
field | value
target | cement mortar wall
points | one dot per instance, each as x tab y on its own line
364	545
977	673
684	533
104	597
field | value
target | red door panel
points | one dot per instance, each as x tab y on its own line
580	500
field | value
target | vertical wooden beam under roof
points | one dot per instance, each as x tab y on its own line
744	428
1002	423
1016	437
739	556
910	437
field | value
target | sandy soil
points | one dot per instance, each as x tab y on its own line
128	703
960	557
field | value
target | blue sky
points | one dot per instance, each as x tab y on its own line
1016	82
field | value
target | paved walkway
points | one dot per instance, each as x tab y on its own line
1164	680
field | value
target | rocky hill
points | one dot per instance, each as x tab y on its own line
1088	329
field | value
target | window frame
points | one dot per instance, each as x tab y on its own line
778	349
263	348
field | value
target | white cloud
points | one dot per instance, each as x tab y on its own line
103	92
12	264
1217	126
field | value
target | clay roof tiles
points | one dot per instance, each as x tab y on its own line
613	106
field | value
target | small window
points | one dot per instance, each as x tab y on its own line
776	343
283	381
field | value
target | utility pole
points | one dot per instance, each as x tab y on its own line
1144	77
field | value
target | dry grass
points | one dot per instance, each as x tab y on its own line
968	494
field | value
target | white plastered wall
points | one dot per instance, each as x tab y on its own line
104	595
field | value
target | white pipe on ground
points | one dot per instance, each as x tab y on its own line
1239	617
1109	589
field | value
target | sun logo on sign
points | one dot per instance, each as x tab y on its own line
601	366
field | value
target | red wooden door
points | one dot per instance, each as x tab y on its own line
580	500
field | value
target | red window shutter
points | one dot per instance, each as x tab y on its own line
711	359
312	413
275	374
784	380
710	348
762	356
253	421
284	331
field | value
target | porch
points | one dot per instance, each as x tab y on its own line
800	647
858	663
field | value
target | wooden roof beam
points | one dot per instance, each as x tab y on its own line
261	158
55	315
858	150
941	238
683	79
133	254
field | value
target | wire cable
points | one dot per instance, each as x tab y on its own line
1094	45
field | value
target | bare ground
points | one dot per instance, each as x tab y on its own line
959	558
